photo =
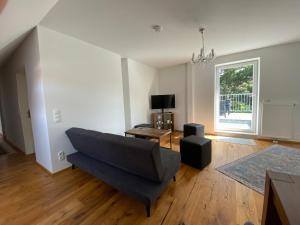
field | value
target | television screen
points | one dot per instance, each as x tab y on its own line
162	101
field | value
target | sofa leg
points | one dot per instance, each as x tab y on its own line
148	210
174	178
73	166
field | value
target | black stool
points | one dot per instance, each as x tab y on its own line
193	129
195	151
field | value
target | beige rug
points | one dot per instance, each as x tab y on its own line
241	141
251	170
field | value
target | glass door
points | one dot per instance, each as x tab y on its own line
236	94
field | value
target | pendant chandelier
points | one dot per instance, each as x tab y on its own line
202	57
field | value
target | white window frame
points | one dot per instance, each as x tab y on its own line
256	86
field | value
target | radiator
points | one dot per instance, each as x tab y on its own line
281	120
296	116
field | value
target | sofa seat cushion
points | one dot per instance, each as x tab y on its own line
142	189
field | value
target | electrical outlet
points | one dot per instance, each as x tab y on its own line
56	115
61	156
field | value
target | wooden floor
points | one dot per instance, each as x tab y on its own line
28	195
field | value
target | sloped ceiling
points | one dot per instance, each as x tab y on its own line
123	26
17	18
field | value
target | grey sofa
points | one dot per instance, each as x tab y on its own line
137	167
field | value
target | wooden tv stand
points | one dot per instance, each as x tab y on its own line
163	120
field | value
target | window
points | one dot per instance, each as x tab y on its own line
236	96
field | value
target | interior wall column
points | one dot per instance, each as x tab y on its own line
190	93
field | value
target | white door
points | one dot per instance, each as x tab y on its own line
24	113
236	96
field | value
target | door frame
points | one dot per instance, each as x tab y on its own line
22	95
255	90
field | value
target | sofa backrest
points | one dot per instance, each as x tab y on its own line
136	156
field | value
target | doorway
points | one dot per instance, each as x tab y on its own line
236	94
24	112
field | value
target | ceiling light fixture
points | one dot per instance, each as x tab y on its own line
202	57
157	28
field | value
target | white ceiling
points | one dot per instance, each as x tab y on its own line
17	18
123	26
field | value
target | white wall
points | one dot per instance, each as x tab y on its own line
279	79
126	93
173	80
26	58
140	82
84	83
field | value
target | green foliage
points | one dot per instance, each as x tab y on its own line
237	80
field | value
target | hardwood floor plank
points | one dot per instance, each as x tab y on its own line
31	196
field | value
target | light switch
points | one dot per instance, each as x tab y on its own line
56	116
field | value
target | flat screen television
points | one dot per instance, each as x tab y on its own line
162	101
